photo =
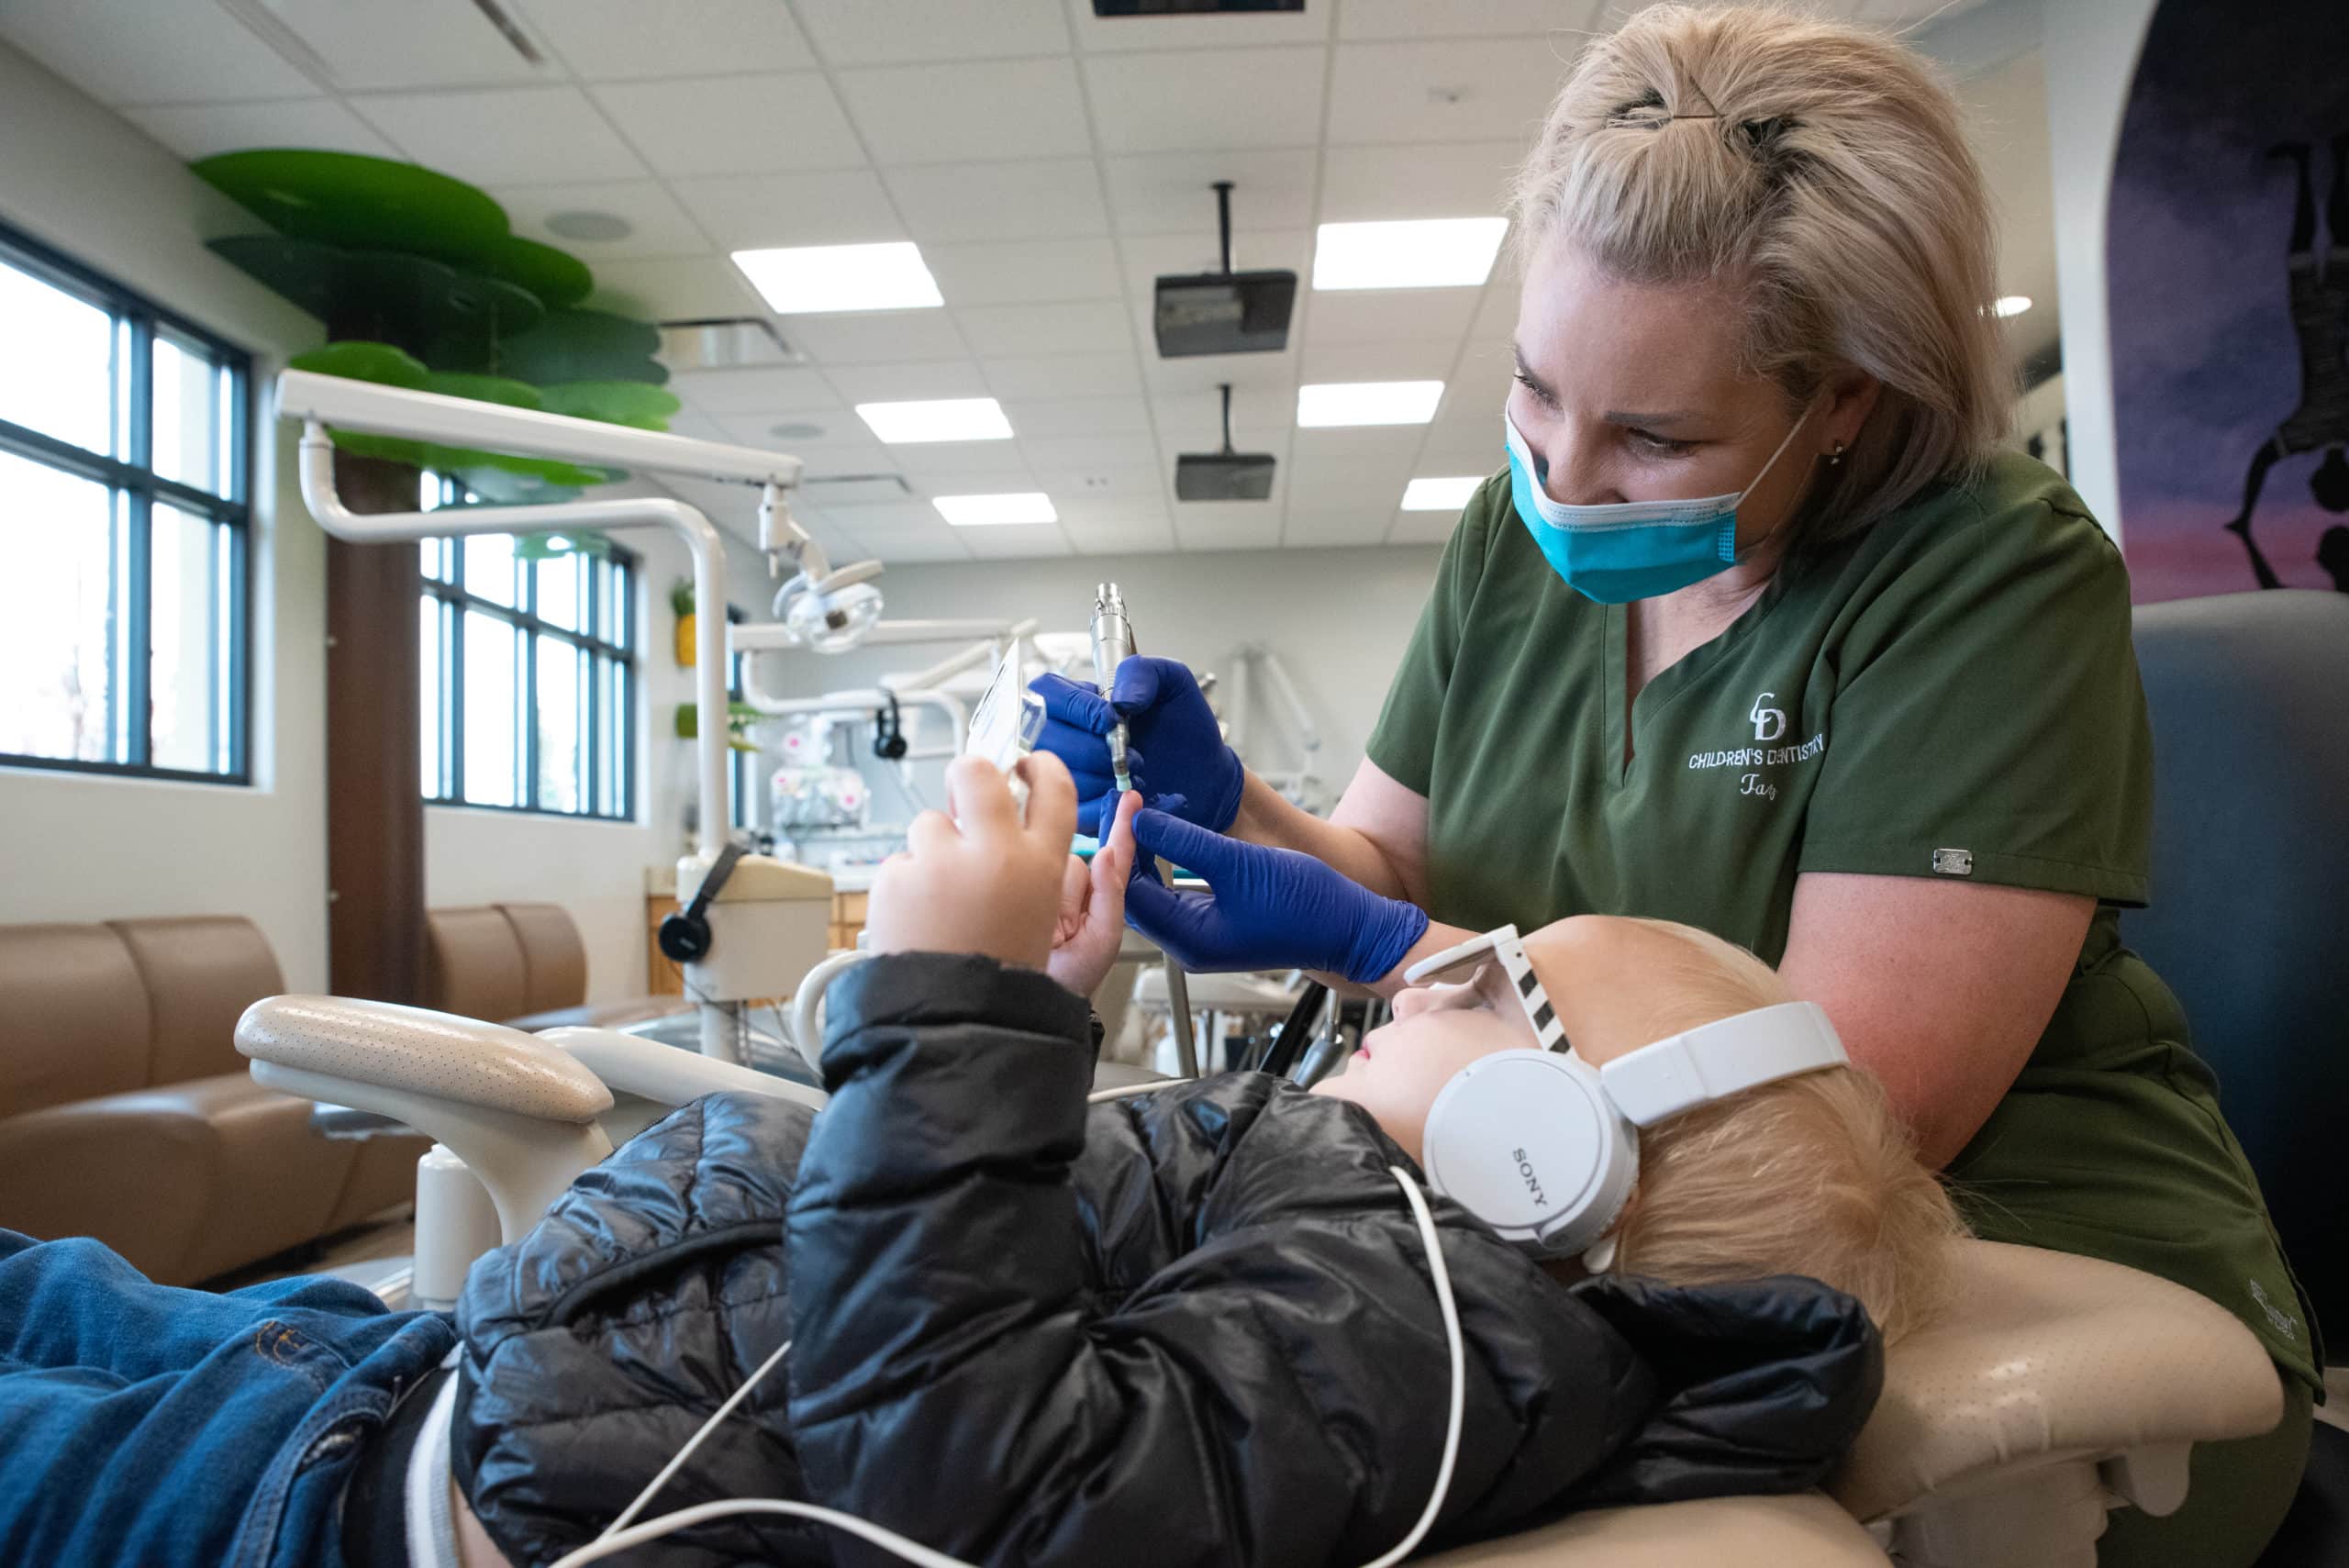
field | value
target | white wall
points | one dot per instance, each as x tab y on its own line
2092	48
75	847
1339	618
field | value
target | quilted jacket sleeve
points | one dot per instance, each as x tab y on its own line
1273	1395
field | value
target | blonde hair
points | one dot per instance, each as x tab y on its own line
1819	172
1810	1175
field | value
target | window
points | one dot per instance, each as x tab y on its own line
528	675
124	526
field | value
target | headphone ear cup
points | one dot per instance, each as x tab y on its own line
682	938
1527	1142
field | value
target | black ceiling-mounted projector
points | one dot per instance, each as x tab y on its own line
1225	312
1226	476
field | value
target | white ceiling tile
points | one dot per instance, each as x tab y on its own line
1334	448
418	43
151	51
1174	193
1089	454
1201	374
773	391
1227	525
199	130
675	288
701	427
909	541
824	459
1358	315
1262	417
1197	31
734	125
1327	527
611	40
1104	374
934	114
748	212
734	507
1370	184
914	381
866	337
1099	491
1421	528
1411	359
955	468
1347	477
1147	538
518	136
1078	417
657	224
1180	103
1050	199
1565	21
1496	312
858	32
1024	270
1014	541
1442	91
1069	329
1468	444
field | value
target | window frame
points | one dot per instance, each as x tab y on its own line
448	711
138	322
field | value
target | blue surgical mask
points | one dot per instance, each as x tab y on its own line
1622	550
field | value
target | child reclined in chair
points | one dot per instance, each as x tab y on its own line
1195	1325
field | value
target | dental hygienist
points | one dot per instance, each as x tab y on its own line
1761	631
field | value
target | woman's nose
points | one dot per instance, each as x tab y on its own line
1572	471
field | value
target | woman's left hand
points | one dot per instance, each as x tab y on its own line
1093	907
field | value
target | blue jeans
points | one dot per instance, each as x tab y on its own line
143	1424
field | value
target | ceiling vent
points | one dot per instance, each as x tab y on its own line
1225	312
854	489
725	343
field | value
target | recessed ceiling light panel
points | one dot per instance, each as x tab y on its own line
1427	253
1326	403
814	280
937	419
983	511
1447	494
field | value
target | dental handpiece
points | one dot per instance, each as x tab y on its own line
1113	644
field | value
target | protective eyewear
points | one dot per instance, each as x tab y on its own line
1495	964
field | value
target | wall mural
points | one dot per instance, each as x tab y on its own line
2227	258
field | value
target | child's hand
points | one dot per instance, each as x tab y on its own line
1093	907
980	880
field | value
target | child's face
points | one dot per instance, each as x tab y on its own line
1438	1031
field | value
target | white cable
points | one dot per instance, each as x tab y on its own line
616	1538
1097	1095
676	1461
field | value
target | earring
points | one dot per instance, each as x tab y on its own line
1837	456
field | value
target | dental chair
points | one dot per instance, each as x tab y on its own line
2060	1387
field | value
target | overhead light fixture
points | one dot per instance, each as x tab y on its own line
985	511
2011	305
1447	494
1425	253
938	419
1367	403
815	280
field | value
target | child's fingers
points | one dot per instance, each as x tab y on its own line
1051	798
982	800
1074	880
930	833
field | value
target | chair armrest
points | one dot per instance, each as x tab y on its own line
665	1075
516	1110
2045	1358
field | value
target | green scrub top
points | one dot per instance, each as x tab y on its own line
1951	693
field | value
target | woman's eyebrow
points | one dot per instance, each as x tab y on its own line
1648	421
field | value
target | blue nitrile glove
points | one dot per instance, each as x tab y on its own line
1266	908
1166	717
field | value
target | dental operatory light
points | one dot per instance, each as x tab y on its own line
1446	494
937	419
1439	252
832	613
983	511
811	280
2010	304
1328	404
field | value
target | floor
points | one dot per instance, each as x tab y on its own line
363	1254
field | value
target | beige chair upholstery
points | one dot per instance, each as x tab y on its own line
522	966
126	1113
1805	1531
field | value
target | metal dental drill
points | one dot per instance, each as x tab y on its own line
1113	644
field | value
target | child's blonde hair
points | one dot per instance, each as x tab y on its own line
1809	1176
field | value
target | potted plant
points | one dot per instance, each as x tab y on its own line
681	600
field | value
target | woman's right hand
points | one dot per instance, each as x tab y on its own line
1188	773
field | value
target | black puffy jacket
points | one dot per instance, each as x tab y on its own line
1195	1327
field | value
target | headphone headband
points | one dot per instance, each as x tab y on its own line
1725	1057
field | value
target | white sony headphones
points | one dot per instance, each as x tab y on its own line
1543	1147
